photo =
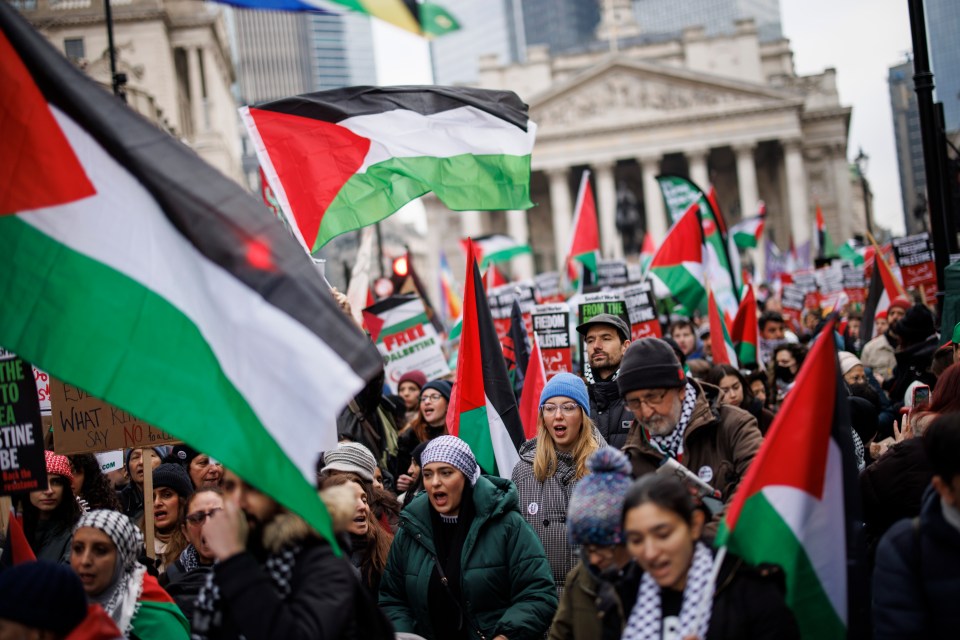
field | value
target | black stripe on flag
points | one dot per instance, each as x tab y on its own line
874	293
340	104
227	225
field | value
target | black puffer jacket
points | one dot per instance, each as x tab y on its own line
913	364
608	412
916	583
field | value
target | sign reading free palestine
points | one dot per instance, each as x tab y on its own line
405	337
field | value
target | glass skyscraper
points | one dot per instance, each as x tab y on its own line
943	29
717	17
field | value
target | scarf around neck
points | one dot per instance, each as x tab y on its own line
671	444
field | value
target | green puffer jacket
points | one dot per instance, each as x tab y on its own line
505	578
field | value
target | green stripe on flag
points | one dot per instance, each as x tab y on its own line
588	260
201	406
159	620
475	431
505	254
687	289
762	536
464	183
403	326
746	352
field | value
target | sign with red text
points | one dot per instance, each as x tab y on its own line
551	323
547	287
642	310
500	299
22	464
917	267
406	338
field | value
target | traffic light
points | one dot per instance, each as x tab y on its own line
401	271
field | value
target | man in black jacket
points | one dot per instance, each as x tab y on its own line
606	338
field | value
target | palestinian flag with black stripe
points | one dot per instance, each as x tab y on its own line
483	410
132	269
344	159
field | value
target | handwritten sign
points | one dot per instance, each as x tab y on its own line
22	465
83	423
551	323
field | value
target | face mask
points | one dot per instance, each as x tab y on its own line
784	374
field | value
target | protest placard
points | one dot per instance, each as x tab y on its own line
547	287
551	323
501	300
593	304
917	268
642	311
83	423
400	328
855	284
792	301
22	463
611	273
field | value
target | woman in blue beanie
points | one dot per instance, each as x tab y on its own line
551	464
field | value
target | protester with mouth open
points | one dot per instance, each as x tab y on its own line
171	491
430	423
464	564
551	464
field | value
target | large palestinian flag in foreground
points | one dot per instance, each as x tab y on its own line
797	504
343	159
483	410
132	269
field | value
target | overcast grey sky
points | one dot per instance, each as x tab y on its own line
859	38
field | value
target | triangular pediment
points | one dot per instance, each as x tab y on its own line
623	92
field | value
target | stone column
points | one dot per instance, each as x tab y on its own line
471	224
517	228
561	211
841	177
747	180
800	220
656	215
699	174
607	210
197	110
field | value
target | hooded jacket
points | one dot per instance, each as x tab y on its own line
718	445
913	363
609	413
504	575
594	606
544	505
326	600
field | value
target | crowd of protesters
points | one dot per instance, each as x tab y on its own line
583	541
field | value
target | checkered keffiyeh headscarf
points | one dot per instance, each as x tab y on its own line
58	465
119	599
455	452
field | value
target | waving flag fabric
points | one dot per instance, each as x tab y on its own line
746	233
723	349
677	267
145	277
534	381
483	410
496	248
884	287
745	332
344	159
450	302
585	238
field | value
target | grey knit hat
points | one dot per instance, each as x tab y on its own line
455	452
351	457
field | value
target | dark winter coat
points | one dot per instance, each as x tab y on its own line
504	574
326	601
544	505
594	608
183	586
916	582
718	446
608	412
52	542
913	364
131	501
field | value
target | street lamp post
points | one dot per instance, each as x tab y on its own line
862	160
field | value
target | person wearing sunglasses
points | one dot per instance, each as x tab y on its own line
680	418
551	464
184	578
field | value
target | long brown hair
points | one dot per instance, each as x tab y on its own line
545	459
419	426
378	539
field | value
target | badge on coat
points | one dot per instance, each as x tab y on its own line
533	508
705	473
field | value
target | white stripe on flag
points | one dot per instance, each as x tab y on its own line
503	448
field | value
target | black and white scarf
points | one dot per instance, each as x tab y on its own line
207	613
671	444
646	619
588	375
190	559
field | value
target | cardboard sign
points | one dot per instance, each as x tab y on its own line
917	267
110	461
551	323
593	304
83	423
642	311
43	390
406	339
22	463
547	287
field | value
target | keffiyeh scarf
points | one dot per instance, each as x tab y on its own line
671	444
646	619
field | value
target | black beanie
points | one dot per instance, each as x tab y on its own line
43	595
916	326
649	363
175	477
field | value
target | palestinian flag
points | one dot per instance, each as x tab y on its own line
746	233
153	618
493	278
421	18
825	246
585	239
450	302
745	332
884	288
516	348
142	275
534	381
715	205
850	252
344	159
483	410
647	250
677	267
797	505
723	350
496	248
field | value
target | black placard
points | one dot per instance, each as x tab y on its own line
22	463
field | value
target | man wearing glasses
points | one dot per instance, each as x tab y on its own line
677	417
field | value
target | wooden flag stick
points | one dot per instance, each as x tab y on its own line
5	506
148	501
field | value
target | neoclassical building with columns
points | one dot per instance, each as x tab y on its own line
729	111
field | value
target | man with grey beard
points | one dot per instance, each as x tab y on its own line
680	418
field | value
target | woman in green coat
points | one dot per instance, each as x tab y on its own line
464	564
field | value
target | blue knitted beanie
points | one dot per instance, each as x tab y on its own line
595	514
569	386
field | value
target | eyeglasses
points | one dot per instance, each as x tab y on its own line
433	397
568	408
199	517
652	400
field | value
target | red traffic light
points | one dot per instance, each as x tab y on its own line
400	266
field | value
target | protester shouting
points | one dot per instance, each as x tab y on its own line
131	496
465	564
104	554
606	338
171	491
551	464
430	423
49	514
677	597
275	577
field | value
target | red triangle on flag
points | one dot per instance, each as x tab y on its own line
38	167
585	234
684	241
533	383
373	323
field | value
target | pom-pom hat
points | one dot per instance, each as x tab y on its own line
595	513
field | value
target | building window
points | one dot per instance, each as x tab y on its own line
73	48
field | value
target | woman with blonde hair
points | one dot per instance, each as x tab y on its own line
551	464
